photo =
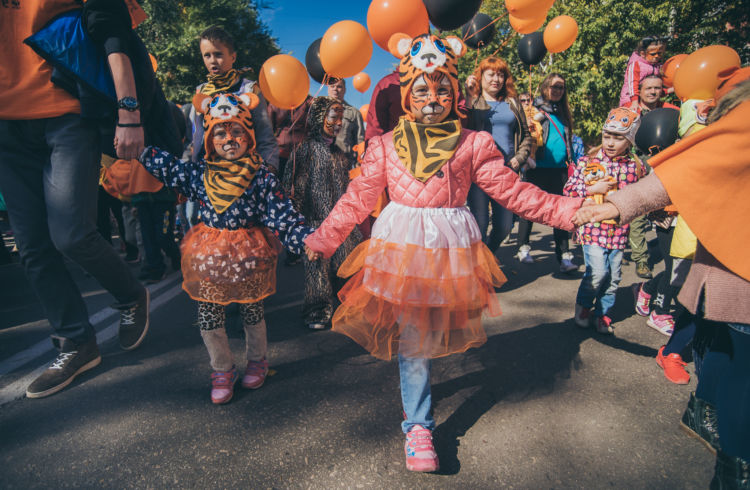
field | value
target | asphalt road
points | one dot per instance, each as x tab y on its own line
543	404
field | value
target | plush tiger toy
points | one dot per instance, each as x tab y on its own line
424	55
595	172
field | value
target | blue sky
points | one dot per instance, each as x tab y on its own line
297	23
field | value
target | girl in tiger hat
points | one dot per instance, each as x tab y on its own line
423	280
230	257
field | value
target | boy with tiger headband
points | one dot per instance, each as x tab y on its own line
422	282
230	257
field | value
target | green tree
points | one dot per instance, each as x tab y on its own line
171	34
609	31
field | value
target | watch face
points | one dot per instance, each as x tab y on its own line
128	103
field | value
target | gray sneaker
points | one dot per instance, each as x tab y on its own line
134	322
524	254
72	360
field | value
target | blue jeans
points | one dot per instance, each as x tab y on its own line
416	396
502	219
49	173
600	280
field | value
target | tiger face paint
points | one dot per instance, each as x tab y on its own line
431	98
334	118
230	140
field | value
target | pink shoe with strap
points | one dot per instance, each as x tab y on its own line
255	374
642	300
420	453
222	383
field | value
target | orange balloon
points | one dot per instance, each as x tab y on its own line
526	9
669	68
361	81
346	49
698	74
284	81
364	110
154	63
560	33
527	26
387	17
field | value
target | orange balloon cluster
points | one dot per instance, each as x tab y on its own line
346	49
526	16
387	17
560	33
697	77
283	81
669	68
361	82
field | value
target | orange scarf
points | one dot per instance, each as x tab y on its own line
707	177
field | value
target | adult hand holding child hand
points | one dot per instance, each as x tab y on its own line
312	255
592	213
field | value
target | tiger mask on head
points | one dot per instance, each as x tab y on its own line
226	108
427	56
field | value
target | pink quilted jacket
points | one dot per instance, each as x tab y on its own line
476	159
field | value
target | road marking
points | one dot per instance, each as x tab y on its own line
17	389
40	348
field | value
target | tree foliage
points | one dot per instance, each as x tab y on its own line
172	30
609	31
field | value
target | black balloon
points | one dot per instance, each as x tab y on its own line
479	31
531	48
451	14
313	64
658	130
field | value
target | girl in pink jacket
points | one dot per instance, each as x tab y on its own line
646	60
422	282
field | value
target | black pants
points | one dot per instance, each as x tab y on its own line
157	228
660	287
550	180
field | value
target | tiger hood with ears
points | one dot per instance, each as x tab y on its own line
226	108
427	53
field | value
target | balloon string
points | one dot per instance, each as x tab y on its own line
466	36
504	43
294	121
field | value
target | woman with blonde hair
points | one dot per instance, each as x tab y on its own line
494	107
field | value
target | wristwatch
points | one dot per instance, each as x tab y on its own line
129	104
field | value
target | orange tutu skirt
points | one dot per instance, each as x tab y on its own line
420	285
229	266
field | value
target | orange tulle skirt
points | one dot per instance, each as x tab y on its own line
420	285
229	266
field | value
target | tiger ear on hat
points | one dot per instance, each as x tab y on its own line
399	44
200	102
457	45
250	100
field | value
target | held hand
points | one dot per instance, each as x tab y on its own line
601	187
128	142
312	256
514	164
595	213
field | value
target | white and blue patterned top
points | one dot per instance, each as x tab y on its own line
263	203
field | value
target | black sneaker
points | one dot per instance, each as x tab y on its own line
134	322
71	361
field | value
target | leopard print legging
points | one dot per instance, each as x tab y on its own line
213	315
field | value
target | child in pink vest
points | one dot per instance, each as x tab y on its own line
646	60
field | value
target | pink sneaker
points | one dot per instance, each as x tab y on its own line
255	374
642	300
664	324
420	453
604	325
223	385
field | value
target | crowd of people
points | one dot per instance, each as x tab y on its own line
410	204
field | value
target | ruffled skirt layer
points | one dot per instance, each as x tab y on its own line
419	285
229	266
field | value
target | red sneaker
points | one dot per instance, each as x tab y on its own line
673	366
604	325
255	374
582	316
420	453
222	383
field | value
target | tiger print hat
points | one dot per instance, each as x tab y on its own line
427	53
226	108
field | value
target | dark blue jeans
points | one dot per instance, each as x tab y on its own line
502	219
49	173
